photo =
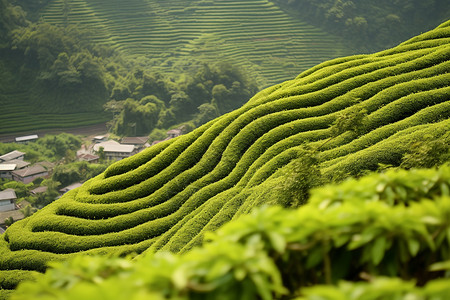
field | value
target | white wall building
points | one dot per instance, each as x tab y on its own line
114	150
7	198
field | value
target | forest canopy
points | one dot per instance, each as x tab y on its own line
371	25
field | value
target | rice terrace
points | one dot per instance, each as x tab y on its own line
330	184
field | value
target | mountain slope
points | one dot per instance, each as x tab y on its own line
256	34
166	197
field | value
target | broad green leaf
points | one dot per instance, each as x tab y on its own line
440	266
378	250
179	278
314	258
413	246
278	242
445	191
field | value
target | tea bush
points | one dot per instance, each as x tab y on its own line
360	231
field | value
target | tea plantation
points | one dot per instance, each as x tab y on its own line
256	35
355	113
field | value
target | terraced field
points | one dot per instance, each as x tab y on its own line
23	118
255	34
166	197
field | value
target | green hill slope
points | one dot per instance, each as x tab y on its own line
166	197
254	34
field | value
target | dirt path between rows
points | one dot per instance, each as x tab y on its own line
91	130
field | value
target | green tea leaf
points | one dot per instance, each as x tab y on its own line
378	250
413	246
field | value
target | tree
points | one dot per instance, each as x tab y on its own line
60	144
101	154
48	196
20	188
27	211
206	112
9	221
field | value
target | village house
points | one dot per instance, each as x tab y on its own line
6	168
70	187
89	157
139	143
27	175
99	139
39	190
173	133
26	139
114	150
12	155
7	200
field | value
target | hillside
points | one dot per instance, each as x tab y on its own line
256	35
58	72
166	197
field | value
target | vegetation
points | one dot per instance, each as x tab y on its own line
383	234
59	149
64	61
166	197
156	102
368	25
53	148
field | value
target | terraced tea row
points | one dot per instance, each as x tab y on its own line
166	197
254	34
23	117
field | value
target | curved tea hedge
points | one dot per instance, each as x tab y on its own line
166	197
382	236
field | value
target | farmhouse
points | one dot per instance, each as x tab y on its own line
90	158
139	143
70	187
99	139
12	155
26	139
173	133
114	150
27	175
39	190
7	198
6	168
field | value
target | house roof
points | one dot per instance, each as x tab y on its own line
38	190
30	171
88	156
11	155
8	194
7	167
26	138
15	214
46	164
174	132
113	146
20	164
137	140
71	187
